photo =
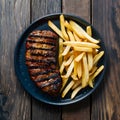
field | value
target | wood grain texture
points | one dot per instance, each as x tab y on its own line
77	7
80	110
14	18
40	8
106	100
40	110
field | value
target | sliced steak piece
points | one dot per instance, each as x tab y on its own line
41	52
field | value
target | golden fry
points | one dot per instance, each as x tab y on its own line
64	82
90	60
95	75
97	57
89	30
81	44
66	50
68	62
79	70
68	87
94	68
75	91
83	49
85	76
76	84
60	51
63	27
76	37
70	34
81	33
55	28
98	71
62	67
67	25
79	57
69	71
75	67
74	76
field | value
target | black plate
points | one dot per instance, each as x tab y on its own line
22	72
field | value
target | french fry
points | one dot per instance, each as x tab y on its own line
94	68
76	37
83	49
90	60
76	84
71	37
98	71
67	25
81	44
55	28
62	67
63	27
66	50
89	30
97	57
64	82
60	51
75	67
74	76
69	71
79	70
85	76
90	83
79	30
68	62
95	74
68	87
75	91
79	57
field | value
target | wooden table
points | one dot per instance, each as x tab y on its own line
15	17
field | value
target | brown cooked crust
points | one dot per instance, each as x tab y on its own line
41	47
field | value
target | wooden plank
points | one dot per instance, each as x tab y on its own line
39	109
14	18
40	8
106	100
77	7
80	110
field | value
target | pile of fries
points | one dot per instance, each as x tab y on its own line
78	56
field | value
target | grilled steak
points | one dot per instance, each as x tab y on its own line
41	47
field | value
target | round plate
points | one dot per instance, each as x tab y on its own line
22	71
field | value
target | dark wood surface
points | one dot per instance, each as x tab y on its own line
15	17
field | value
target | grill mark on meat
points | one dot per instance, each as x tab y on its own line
38	59
41	73
42	53
48	60
39	46
30	61
42	67
37	63
41	42
46	76
47	49
35	72
44	33
46	37
51	82
38	39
